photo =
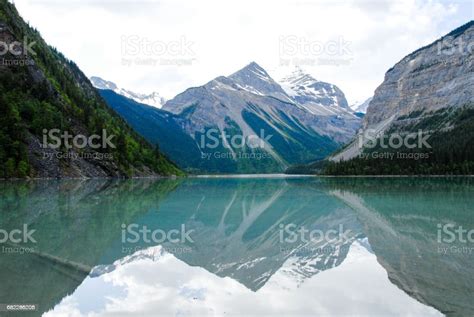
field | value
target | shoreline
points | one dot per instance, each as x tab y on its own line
242	176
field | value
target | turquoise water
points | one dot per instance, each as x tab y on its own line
239	247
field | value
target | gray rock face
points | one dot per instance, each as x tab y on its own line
249	101
436	76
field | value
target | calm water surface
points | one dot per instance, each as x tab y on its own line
239	247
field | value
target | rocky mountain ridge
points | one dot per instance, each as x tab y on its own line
246	105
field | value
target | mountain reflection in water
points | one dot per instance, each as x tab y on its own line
240	260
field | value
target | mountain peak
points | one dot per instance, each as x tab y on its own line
317	96
255	66
252	69
253	78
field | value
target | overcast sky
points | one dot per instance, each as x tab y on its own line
170	45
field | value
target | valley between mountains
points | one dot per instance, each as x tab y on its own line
243	123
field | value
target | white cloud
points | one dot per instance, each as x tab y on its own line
168	286
225	36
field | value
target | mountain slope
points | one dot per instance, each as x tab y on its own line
430	92
153	99
158	127
243	123
41	91
198	152
324	100
250	105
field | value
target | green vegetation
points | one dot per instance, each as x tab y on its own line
297	143
53	93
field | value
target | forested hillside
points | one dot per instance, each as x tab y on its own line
41	90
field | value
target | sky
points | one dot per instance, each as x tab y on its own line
170	45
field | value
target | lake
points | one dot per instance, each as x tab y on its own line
297	246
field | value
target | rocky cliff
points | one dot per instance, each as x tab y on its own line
430	89
436	76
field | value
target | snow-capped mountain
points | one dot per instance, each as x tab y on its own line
153	99
318	97
100	83
249	101
361	106
208	128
